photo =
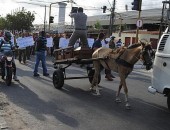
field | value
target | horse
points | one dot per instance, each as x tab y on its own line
122	61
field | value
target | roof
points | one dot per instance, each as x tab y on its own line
129	17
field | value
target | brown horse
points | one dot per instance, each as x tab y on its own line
121	61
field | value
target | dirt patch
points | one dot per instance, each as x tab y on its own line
11	116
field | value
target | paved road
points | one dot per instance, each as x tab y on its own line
39	106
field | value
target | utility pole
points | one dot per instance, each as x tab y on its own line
71	1
168	16
44	18
139	15
162	19
112	15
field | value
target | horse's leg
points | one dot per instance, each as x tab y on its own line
118	92
95	77
126	93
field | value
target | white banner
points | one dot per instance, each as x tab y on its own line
105	43
21	42
25	41
63	43
50	42
90	41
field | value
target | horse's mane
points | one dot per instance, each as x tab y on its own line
134	46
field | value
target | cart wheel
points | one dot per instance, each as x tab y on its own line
168	100
91	74
58	79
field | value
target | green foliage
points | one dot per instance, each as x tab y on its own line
97	25
18	21
2	23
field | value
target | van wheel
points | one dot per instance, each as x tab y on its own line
168	100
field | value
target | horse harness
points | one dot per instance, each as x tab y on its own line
123	62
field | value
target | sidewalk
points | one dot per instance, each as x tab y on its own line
3	103
139	65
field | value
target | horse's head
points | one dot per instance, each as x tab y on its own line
146	55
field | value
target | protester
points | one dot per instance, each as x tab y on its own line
7	46
112	46
118	43
35	37
40	54
28	48
80	31
56	41
22	50
97	44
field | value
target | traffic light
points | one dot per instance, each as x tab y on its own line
137	5
104	9
51	19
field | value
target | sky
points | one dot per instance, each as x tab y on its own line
91	7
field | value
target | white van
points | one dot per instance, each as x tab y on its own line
161	68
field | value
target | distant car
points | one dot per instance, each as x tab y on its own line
161	68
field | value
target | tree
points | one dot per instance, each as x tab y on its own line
2	23
20	21
97	25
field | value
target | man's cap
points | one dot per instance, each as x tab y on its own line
112	37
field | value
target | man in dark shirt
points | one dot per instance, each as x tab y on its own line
56	41
40	54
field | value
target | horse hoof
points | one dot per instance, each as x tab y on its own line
95	93
118	100
128	107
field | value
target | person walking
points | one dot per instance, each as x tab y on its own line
41	54
22	50
80	31
119	43
97	44
56	41
113	47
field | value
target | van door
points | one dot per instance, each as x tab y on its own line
161	67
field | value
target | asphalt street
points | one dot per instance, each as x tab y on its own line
39	106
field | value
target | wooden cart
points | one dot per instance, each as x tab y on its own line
68	56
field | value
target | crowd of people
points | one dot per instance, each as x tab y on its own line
39	47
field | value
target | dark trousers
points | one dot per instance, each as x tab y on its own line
28	52
107	72
22	55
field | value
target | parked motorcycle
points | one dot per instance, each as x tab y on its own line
6	69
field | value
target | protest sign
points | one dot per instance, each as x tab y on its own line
63	43
90	41
50	42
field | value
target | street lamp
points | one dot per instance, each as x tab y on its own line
68	1
120	29
50	10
